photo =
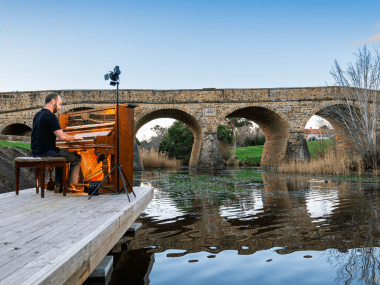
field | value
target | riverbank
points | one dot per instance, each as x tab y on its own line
7	169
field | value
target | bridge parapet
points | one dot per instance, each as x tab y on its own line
12	101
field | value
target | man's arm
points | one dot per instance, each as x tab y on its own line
65	137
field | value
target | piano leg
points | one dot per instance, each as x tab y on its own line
105	167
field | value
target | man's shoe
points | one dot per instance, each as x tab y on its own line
70	188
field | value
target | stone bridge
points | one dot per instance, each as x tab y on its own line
281	113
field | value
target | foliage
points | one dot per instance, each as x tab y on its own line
320	148
138	142
358	104
255	141
239	122
178	142
15	144
158	130
224	134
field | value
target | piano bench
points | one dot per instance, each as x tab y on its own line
40	163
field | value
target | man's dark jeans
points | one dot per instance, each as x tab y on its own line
72	158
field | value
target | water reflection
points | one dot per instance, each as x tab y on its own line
285	230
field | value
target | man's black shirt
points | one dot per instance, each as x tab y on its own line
45	123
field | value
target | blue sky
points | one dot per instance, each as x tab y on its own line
50	45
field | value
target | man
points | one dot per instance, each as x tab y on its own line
45	130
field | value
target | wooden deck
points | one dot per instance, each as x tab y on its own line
61	240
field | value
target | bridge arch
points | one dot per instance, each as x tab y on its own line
16	128
343	143
275	126
318	109
181	115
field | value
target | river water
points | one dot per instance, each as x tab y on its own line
248	226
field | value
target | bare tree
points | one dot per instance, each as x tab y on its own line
357	110
154	141
234	124
243	133
322	123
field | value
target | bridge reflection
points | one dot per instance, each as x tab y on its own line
290	214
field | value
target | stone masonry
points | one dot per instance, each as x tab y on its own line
281	113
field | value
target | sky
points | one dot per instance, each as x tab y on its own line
54	45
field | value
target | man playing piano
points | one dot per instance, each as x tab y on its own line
43	142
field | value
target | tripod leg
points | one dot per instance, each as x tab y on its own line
122	178
104	179
126	189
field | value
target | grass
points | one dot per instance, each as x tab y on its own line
250	154
15	144
253	154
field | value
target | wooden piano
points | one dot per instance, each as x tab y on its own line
98	147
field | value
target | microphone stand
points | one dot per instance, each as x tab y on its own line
118	168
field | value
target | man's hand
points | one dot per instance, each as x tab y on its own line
65	137
76	137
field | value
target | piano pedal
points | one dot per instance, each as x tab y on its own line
92	187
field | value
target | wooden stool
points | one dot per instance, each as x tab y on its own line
40	163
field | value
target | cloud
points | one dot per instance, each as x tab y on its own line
375	38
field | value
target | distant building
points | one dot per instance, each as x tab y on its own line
318	134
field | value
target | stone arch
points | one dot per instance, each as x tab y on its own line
275	126
226	112
317	109
343	143
180	114
147	110
16	128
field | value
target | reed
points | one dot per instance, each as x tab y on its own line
155	159
328	164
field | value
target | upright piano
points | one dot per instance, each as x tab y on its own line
98	148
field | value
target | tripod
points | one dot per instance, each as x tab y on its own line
117	167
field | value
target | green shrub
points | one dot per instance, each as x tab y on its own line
255	141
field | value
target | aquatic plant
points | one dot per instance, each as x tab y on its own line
185	188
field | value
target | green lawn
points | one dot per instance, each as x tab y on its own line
253	154
15	144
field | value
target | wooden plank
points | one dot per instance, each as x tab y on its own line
54	278
69	241
55	215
